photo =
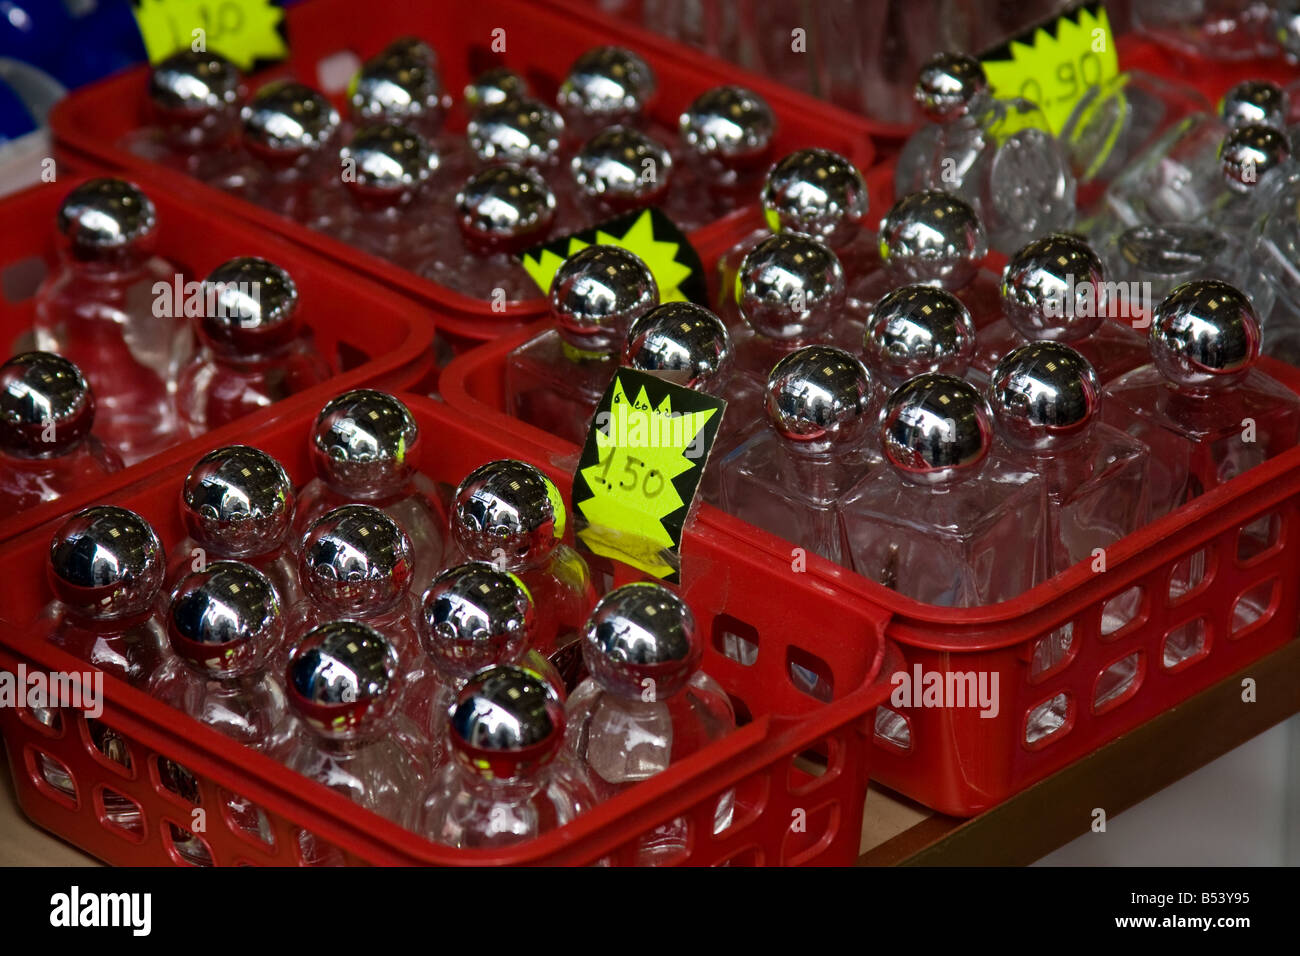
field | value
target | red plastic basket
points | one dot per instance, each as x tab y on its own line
798	764
542	42
960	763
375	336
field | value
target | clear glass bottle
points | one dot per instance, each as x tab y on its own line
946	523
473	616
997	154
255	350
106	568
555	380
934	238
911	331
819	195
346	729
47	450
292	132
1054	289
355	564
102	311
646	705
509	514
507	780
1208	29
366	449
1202	408
237	503
791	479
195	98
726	137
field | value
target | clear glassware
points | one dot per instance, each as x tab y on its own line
997	154
106	568
100	310
292	133
346	730
791	481
1055	289
47	411
355	564
507	781
366	449
1202	408
509	514
256	351
1046	400
555	380
646	705
195	98
725	138
946	523
1208	29
237	503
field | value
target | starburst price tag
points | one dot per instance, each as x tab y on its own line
647	232
249	33
640	467
1056	63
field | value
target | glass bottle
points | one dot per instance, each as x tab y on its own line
346	729
237	504
507	780
195	98
255	349
1208	29
1202	408
946	523
366	449
997	154
646	705
47	450
292	132
102	311
790	480
106	569
555	380
508	513
1054	289
355	565
726	133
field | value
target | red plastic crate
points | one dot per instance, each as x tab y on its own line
959	763
542	42
795	752
373	335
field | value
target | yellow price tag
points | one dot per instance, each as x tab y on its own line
246	32
1055	64
639	470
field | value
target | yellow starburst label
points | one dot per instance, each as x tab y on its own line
640	467
649	234
249	33
1055	64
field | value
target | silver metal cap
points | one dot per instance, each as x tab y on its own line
791	288
256	306
225	620
389	163
493	86
508	513
1205	335
816	193
46	406
1254	103
343	680
596	295
516	130
934	238
505	207
1054	288
729	124
936	430
366	444
607	83
641	640
238	502
1044	396
819	398
474	616
398	85
1249	153
623	167
285	120
106	563
918	329
507	722
682	342
189	86
356	560
104	214
947	84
